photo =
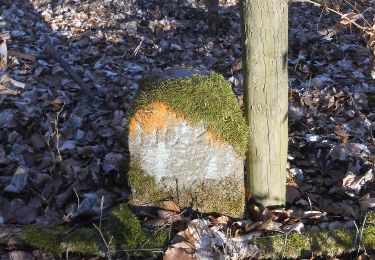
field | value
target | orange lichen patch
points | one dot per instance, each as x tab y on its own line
213	140
154	116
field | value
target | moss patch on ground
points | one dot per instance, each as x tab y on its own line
200	98
125	232
122	231
323	243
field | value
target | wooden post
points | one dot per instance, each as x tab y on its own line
265	70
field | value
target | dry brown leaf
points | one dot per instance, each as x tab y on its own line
354	183
171	216
37	141
3	55
177	251
252	225
366	202
350	18
7	91
170	205
271	225
179	237
366	256
159	222
21	255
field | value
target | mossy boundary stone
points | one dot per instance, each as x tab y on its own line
187	140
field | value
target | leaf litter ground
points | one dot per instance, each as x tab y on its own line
60	154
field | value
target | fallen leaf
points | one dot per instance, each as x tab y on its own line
292	193
170	205
177	251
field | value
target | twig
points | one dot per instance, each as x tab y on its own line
355	8
356	244
101	211
285	243
361	235
163	226
154	250
21	55
57	132
138	47
50	149
55	55
311	208
338	13
105	242
78	203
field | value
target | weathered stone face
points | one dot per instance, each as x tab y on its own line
185	162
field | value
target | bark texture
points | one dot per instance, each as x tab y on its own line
265	50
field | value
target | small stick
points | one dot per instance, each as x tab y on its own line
103	238
21	55
55	55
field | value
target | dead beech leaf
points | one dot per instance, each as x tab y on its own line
271	225
179	237
21	255
255	212
7	91
27	214
37	141
342	209
19	180
180	251
350	18
170	205
5	79
3	55
171	216
252	225
365	256
314	216
366	202
159	222
297	226
56	103
354	183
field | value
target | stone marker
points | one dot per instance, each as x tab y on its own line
187	140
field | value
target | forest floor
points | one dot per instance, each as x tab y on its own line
59	157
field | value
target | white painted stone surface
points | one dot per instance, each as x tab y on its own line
184	154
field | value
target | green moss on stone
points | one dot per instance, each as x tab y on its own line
213	198
144	187
207	197
122	231
208	99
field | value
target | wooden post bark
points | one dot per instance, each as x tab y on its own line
265	70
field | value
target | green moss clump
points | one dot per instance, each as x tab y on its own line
85	241
323	243
208	99
44	237
296	245
122	231
124	226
